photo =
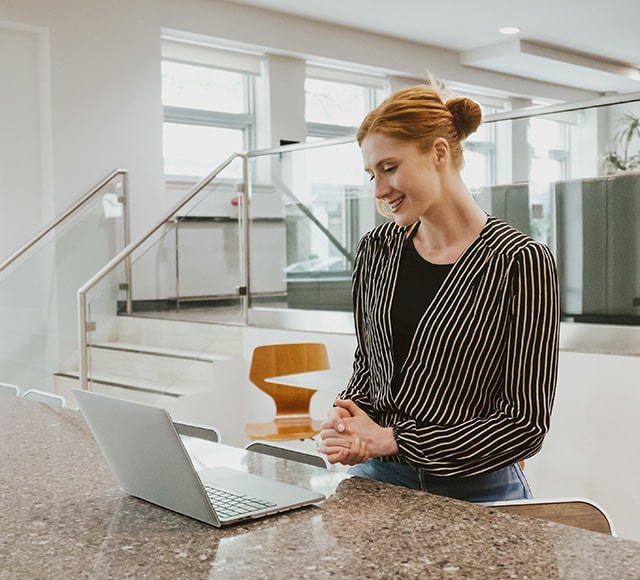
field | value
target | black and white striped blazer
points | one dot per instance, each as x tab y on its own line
479	379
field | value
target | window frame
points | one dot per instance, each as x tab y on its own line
213	57
376	86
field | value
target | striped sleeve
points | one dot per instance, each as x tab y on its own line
358	385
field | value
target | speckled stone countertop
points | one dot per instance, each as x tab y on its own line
63	517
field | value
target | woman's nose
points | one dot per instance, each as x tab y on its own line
382	188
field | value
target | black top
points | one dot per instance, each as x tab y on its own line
416	286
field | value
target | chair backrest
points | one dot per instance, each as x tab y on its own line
7	390
45	397
287	453
198	431
273	360
578	512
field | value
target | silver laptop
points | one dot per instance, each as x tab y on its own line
149	461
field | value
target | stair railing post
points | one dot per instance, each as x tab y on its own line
82	358
245	239
127	241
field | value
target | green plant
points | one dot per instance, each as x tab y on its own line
621	158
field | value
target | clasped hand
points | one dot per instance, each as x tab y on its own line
349	436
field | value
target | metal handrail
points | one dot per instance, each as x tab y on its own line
321	144
55	223
601	101
125	256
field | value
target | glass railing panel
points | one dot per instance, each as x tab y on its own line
187	369
571	179
309	207
38	311
194	270
567	175
178	272
575	142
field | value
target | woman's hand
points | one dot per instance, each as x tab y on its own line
339	448
349	436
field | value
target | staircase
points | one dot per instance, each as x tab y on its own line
185	367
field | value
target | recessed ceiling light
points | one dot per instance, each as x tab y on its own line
509	30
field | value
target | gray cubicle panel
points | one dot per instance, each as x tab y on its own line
623	245
509	203
581	245
598	248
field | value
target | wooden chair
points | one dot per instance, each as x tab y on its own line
292	419
577	512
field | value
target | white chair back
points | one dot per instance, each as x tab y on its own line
207	432
45	397
7	390
277	450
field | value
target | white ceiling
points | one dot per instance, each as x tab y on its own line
586	44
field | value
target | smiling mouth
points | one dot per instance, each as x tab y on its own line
393	204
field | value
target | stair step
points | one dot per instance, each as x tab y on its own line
65	383
162	351
154	367
141	386
194	336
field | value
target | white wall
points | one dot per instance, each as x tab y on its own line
591	448
24	133
104	99
286	76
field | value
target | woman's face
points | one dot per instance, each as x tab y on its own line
405	177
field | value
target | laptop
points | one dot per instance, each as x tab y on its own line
149	461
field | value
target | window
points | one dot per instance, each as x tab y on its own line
337	101
338	189
479	157
208	97
549	143
480	164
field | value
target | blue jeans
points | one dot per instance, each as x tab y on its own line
508	483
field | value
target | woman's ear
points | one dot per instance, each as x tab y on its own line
441	149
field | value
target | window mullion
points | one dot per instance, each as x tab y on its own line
207	118
328	131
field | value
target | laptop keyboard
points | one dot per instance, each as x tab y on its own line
229	504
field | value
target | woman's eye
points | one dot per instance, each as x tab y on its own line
389	169
371	177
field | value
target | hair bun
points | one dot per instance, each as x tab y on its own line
467	115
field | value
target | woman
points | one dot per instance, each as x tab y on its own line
456	317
